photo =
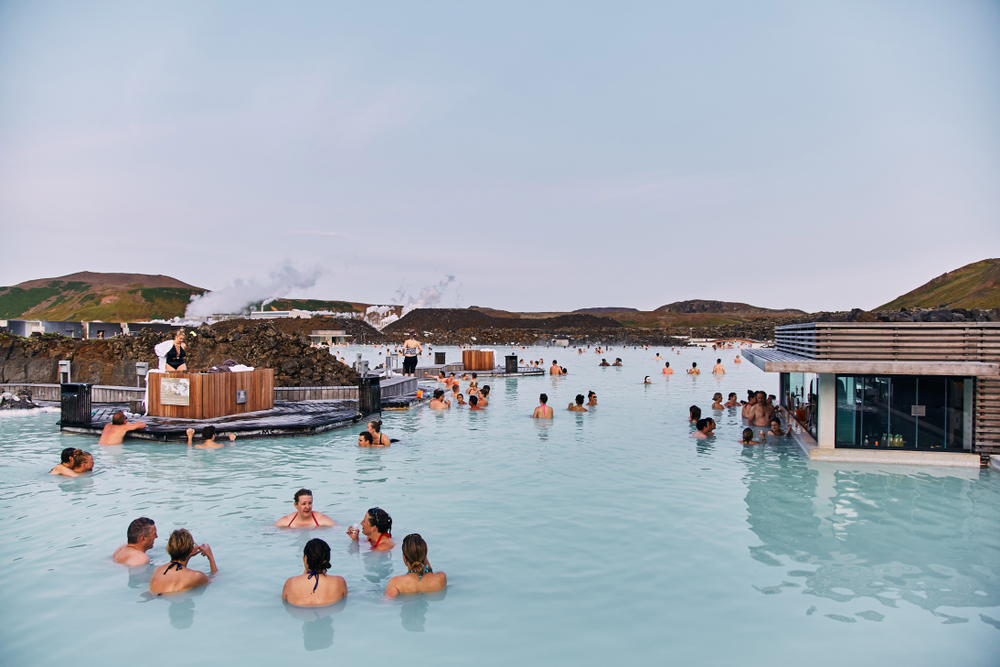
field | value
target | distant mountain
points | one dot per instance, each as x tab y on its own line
704	306
110	297
609	309
975	285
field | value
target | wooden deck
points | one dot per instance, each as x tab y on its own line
285	419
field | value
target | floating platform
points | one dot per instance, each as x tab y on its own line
431	371
285	419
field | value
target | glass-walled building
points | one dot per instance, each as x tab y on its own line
905	392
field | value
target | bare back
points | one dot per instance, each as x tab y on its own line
175	581
412	583
318	591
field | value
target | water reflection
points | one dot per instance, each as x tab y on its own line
317	624
138	577
922	538
413	609
181	610
83	484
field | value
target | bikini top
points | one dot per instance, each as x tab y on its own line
313	515
314	573
178	564
421	573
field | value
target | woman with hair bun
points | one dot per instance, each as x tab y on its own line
379	439
419	578
314	587
377	527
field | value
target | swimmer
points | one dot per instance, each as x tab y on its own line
82	462
667	370
543	411
380	439
484	396
737	360
694	414
592	398
717	401
474	384
377	528
776	428
657	357
647	380
304	516
314	588
441	377
564	371
555	369
67	463
139	539
604	362
748	438
455	389
618	362
419	577
176	576
748	406
718	369
114	433
365	439
704	429
733	401
694	369
460	399
438	402
451	380
474	403
578	406
208	433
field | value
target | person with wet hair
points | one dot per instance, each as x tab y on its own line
66	463
591	398
703	429
718	369
419	577
578	406
138	540
377	528
543	411
694	369
208	432
748	438
694	414
379	439
304	516
314	587
646	380
733	402
484	396
176	576
474	403
438	402
667	370
717	401
114	433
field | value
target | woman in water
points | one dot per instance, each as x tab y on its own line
647	380
748	438
717	401
314	588
379	439
419	577
176	576
591	398
411	352
377	528
66	463
176	354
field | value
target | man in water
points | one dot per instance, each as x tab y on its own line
704	429
761	413
591	398
604	362
618	361
79	463
366	439
657	357
554	369
304	516
208	433
438	402
114	433
578	406
733	402
138	540
474	403
543	411
694	369
719	369
66	463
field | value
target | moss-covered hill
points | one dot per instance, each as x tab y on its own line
975	285
109	297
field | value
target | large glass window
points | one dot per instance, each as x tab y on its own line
901	411
799	393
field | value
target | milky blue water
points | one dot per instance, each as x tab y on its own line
598	538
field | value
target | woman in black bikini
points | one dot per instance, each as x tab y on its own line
420	577
176	577
176	354
314	588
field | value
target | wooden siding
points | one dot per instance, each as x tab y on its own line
910	341
214	394
477	360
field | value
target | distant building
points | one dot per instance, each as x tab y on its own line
279	314
28	327
329	337
911	392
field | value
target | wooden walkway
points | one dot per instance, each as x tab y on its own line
285	419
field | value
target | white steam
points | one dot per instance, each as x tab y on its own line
235	298
430	296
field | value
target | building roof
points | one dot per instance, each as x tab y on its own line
776	361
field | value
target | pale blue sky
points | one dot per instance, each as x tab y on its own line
550	156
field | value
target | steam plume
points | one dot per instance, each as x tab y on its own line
430	296
235	298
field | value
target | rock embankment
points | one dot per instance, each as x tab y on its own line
112	362
912	315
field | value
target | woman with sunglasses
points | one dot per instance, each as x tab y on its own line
377	528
